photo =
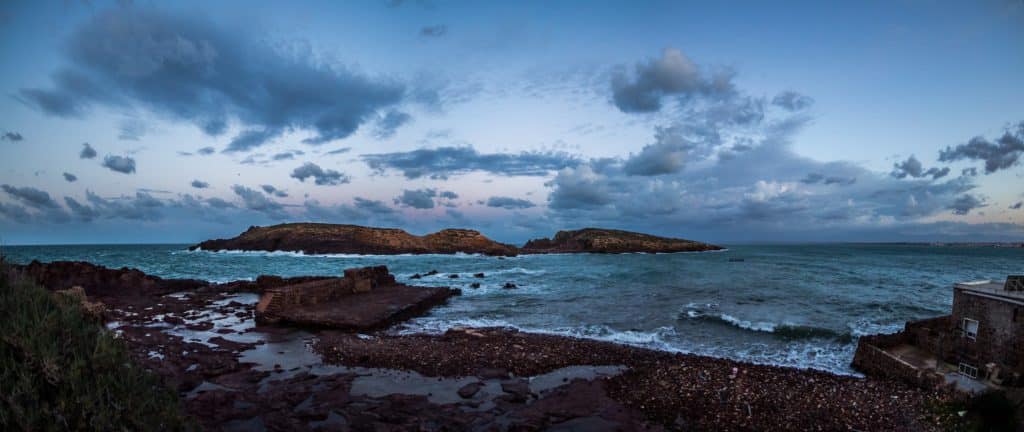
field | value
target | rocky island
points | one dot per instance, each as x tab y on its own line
319	238
599	240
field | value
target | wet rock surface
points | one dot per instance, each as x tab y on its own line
234	374
675	391
599	240
316	238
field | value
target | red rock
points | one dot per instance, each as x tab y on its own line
599	240
316	238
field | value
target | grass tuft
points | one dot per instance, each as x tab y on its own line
61	370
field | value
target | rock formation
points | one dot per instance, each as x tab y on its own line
313	238
599	240
365	299
99	281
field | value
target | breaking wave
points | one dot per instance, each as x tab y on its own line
782	331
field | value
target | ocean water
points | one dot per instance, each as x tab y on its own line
791	305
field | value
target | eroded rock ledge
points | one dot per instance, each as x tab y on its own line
599	240
315	238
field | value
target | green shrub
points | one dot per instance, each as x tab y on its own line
59	370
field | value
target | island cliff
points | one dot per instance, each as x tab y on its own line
599	240
316	238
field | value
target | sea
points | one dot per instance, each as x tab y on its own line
791	305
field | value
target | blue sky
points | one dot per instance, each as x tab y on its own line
737	122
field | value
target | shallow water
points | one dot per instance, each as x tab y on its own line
793	305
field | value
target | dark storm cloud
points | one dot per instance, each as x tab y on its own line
792	101
442	162
12	136
31	196
509	203
257	201
121	164
434	31
271	190
198	184
206	151
191	69
1004	153
913	168
70	178
320	176
389	123
87	152
419	199
965	203
674	74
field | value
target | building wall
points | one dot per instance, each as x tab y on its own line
999	332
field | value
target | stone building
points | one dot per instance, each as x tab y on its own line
988	342
979	345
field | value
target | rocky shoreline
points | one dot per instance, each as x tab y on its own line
318	238
234	373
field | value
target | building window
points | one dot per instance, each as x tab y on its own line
968	371
970	328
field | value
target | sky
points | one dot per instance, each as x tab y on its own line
728	122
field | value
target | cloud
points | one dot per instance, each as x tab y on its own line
419	199
792	101
448	195
339	151
132	129
509	203
121	164
257	201
31	196
965	203
674	74
87	152
15	213
443	162
191	69
434	31
206	151
271	190
913	168
200	184
579	187
70	178
11	136
322	177
1017	206
1004	153
389	123
142	206
288	155
667	155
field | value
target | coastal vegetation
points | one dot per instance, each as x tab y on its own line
61	370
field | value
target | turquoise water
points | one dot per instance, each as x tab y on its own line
792	305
